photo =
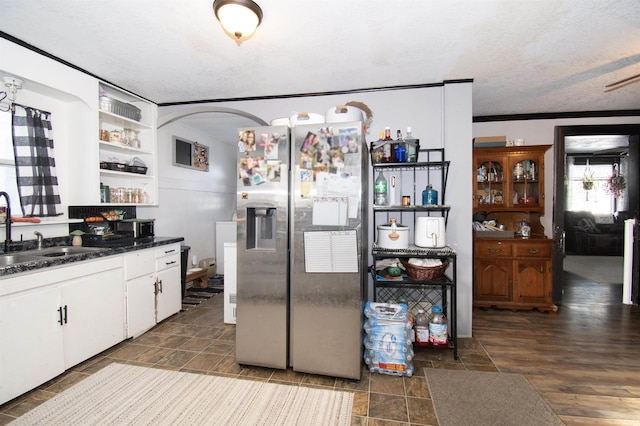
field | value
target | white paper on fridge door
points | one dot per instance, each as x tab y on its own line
330	211
331	251
343	184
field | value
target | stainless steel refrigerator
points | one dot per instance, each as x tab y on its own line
302	247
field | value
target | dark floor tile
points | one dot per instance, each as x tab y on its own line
421	411
287	376
196	344
360	404
387	384
204	362
177	358
318	380
416	387
388	407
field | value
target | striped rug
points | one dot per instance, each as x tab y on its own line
130	395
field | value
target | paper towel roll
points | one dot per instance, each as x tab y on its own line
628	261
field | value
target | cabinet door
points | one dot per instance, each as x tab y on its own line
169	295
141	304
95	315
491	186
493	280
526	177
31	341
532	281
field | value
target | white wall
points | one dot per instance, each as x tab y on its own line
70	96
191	201
541	132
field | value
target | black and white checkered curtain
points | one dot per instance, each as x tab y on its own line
35	164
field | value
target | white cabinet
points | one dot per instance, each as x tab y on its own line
126	140
93	308
140	282
230	283
226	232
52	320
31	350
154	291
168	287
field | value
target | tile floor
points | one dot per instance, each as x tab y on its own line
198	341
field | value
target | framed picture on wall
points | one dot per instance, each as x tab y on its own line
190	154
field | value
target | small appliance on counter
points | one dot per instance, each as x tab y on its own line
110	228
136	228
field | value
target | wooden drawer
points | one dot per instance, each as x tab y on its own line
491	248
532	249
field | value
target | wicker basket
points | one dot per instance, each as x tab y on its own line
424	273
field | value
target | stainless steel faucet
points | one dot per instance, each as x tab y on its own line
40	237
7	224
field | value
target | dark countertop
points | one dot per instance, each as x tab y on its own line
41	263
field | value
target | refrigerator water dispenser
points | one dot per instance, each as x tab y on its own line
261	228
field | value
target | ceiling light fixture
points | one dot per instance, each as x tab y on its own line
239	18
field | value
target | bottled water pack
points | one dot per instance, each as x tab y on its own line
388	347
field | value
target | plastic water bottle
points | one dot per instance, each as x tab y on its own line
380	190
438	328
429	196
421	326
401	152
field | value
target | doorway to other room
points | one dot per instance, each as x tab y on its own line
591	207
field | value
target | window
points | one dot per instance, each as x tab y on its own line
7	164
595	200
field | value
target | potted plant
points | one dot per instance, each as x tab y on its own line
616	183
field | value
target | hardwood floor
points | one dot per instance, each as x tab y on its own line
584	361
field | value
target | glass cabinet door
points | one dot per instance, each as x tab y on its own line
489	183
525	181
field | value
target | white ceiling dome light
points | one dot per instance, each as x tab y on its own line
239	18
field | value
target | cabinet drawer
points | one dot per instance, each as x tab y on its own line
168	261
493	248
532	249
138	263
169	250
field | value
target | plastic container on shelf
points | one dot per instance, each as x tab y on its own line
429	196
438	329
421	327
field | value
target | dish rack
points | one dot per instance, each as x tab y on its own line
123	109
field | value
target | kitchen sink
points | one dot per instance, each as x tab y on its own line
45	253
63	251
12	259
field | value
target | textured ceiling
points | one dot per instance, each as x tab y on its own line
533	56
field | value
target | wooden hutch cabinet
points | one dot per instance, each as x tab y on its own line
511	272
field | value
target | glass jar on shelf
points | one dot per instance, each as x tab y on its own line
135	139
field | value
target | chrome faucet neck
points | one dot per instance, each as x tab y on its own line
40	238
7	224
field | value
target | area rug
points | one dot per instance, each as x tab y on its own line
194	296
130	395
599	269
462	397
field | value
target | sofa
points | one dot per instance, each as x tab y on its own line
584	236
